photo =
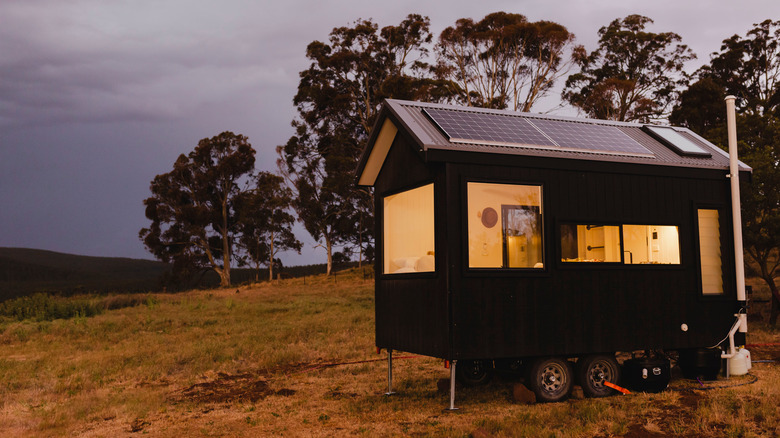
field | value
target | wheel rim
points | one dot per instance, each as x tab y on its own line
599	373
553	378
475	370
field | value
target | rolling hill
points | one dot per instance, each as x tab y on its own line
24	271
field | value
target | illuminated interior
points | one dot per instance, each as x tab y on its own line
590	243
709	249
409	231
505	226
651	244
640	244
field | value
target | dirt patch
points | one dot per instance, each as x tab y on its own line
230	388
246	387
138	425
689	401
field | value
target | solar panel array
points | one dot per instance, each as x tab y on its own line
496	129
517	131
590	137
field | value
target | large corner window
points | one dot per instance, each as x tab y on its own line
408	235
505	226
709	251
627	244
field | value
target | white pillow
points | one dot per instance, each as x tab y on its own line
427	263
406	262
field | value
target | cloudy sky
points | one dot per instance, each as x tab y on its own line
99	96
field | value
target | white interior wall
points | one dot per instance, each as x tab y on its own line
486	244
408	226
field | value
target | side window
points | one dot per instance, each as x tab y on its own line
629	244
505	226
590	243
408	232
709	252
651	244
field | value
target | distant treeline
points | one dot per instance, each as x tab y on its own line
243	276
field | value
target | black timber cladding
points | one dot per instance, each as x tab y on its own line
408	316
458	312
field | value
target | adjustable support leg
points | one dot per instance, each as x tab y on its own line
389	372
452	386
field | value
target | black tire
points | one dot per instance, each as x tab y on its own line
594	370
551	379
473	372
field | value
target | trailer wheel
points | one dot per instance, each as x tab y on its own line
473	372
594	370
551	379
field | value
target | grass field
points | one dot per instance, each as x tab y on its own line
299	360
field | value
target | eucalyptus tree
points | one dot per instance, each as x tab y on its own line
503	60
633	75
747	67
264	221
192	206
337	101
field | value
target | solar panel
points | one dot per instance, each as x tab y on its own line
677	141
517	131
491	129
590	137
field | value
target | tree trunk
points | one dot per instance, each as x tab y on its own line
360	241
271	260
225	275
329	248
257	263
775	299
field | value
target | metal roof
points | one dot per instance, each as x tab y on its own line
411	118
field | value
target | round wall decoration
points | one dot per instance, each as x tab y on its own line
489	217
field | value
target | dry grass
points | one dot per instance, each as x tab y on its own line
259	361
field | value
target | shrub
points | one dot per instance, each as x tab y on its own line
45	307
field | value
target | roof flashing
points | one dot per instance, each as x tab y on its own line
378	154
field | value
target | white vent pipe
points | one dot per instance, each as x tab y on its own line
736	214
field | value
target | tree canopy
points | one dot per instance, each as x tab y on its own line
503	60
337	101
192	207
634	74
264	221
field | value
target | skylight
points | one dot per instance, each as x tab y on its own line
675	140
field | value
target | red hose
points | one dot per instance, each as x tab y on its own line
329	365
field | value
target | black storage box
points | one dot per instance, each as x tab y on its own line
647	374
701	363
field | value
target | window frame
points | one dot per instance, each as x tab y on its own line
505	209
622	263
469	271
559	234
380	218
726	251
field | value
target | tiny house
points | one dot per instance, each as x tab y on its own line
550	243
